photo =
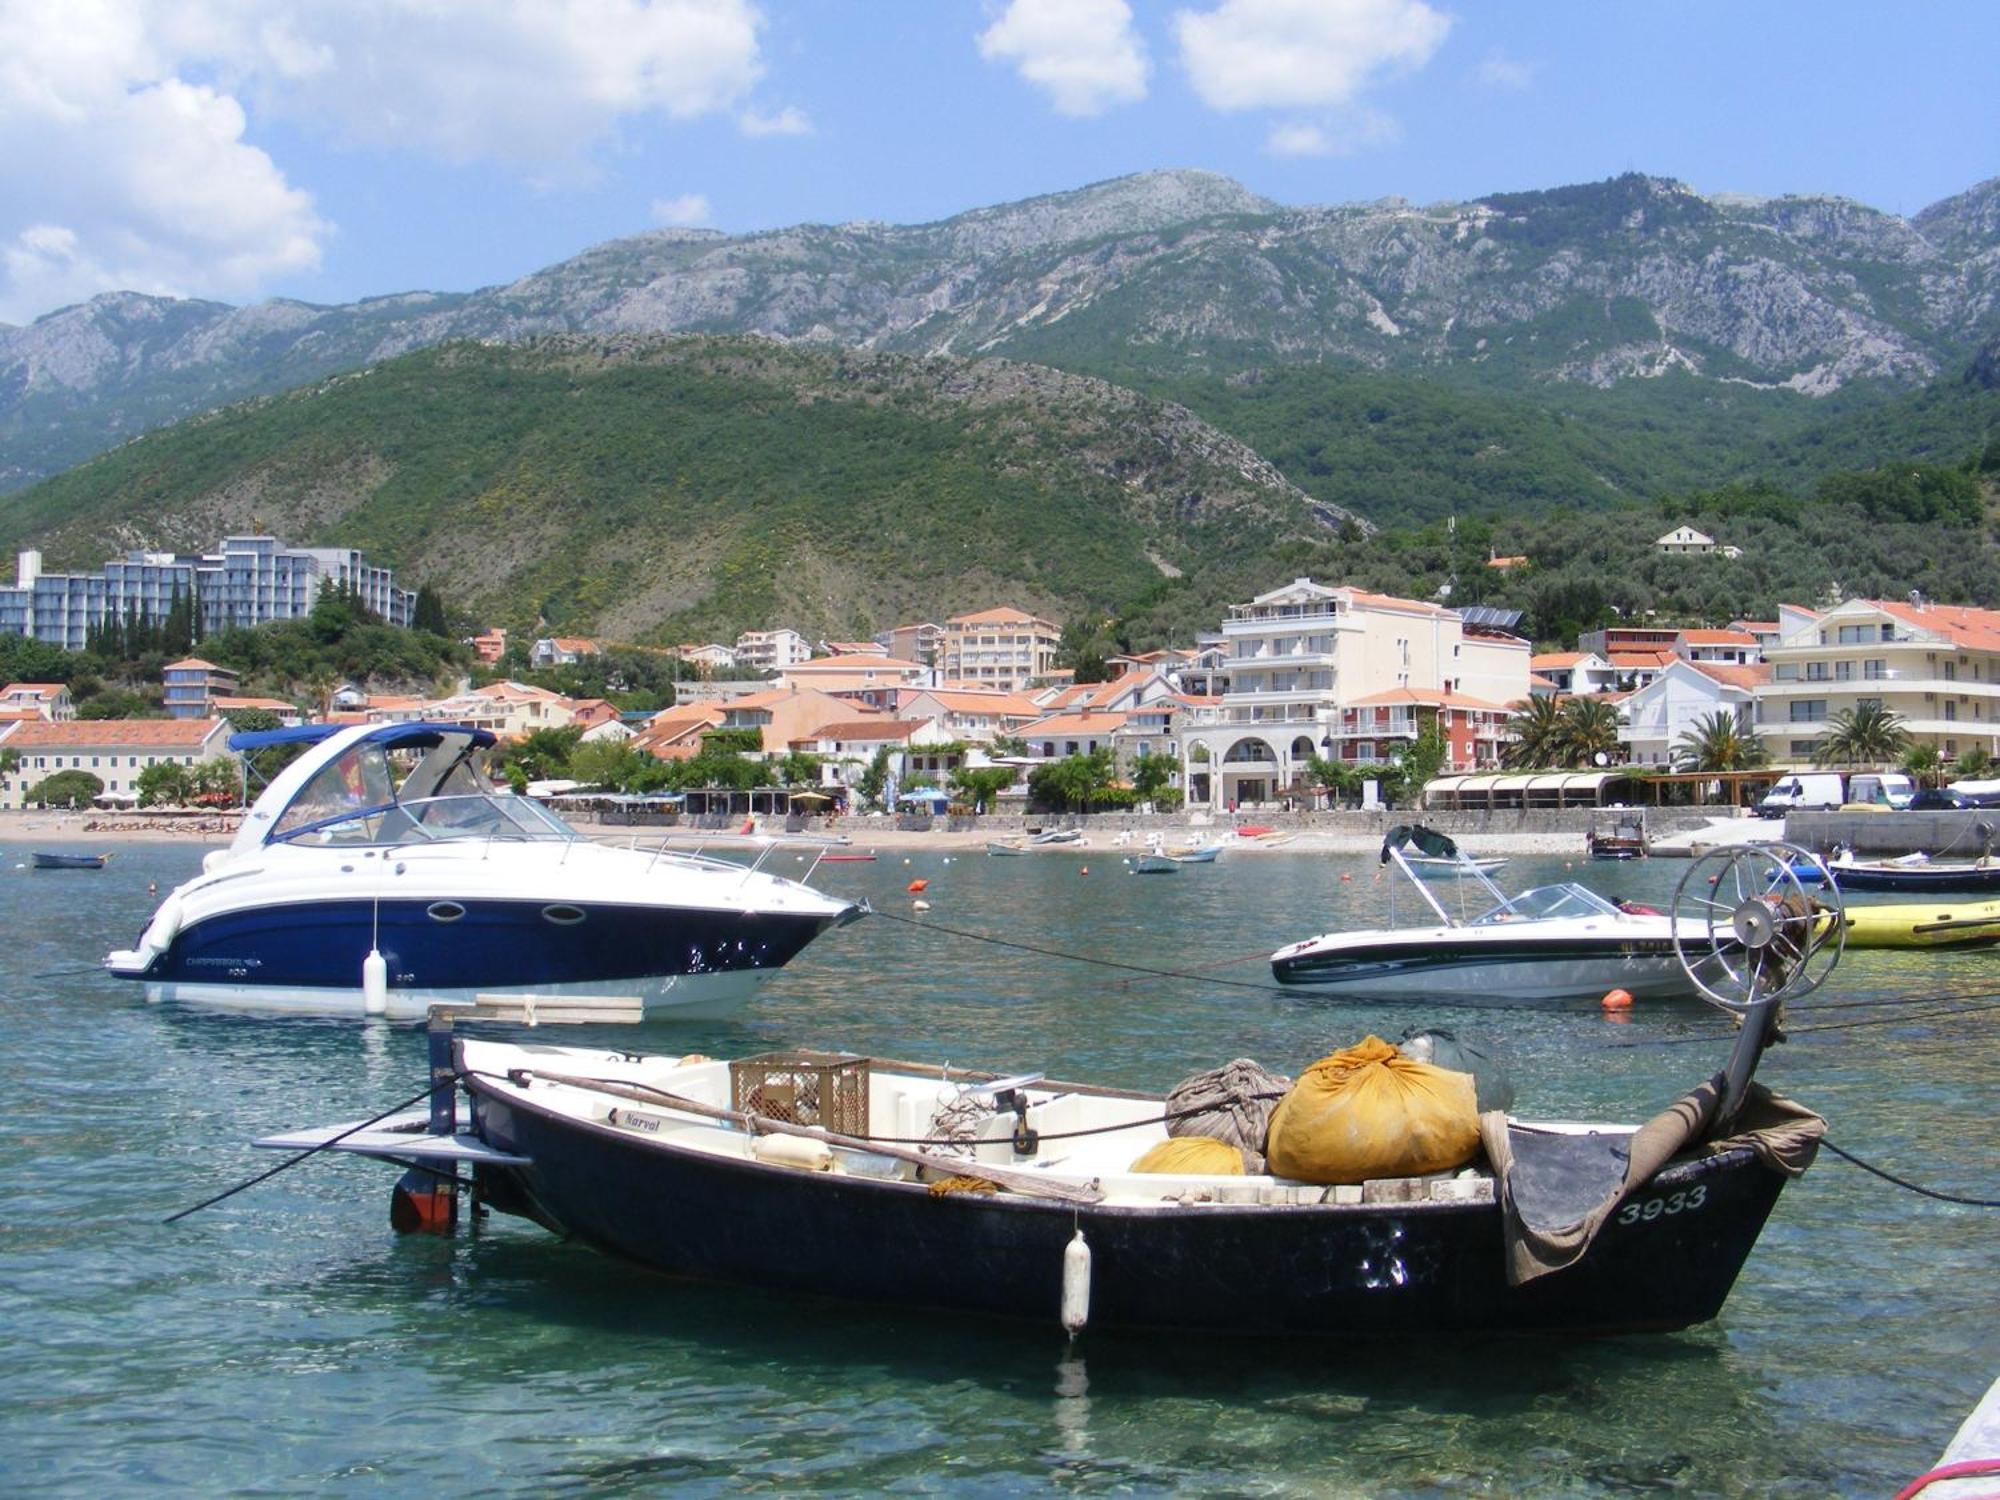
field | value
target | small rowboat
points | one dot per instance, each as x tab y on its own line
845	859
44	861
1155	864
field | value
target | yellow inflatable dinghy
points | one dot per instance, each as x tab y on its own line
1923	924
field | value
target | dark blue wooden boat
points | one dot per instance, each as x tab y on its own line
47	861
1916	875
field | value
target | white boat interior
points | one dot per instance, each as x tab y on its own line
907	1105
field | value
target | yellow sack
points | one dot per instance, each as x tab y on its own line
1202	1155
1371	1112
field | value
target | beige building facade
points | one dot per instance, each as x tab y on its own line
1002	648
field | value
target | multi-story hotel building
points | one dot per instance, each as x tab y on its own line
1936	666
251	580
771	650
1003	648
1349	675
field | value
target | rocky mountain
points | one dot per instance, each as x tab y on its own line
654	488
1598	285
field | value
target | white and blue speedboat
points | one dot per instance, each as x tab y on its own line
459	890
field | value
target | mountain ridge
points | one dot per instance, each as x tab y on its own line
1593	284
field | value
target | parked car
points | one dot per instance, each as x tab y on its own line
1945	798
1881	789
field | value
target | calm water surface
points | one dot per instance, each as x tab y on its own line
287	1341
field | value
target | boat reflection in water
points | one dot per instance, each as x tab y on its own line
458	890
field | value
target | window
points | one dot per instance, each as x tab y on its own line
1843	671
1816	671
1808	710
1875	669
1803	748
1950	672
1950	710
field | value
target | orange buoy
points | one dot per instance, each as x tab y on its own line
920	885
1616	1000
1346	874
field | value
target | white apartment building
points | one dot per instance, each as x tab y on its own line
771	650
1001	648
1937	666
1301	656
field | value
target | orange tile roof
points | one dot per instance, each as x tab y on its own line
40	734
1421	697
858	661
1390	601
193	663
1005	614
1627	661
1092	723
1719	637
574	643
865	729
39	689
1961	624
1734	676
276	705
1555	659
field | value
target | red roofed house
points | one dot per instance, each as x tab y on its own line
1300	655
1005	648
1579	673
560	651
1936	666
1657	716
115	751
1728	648
46	700
1375	727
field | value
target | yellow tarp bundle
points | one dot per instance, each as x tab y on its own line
1197	1154
1371	1112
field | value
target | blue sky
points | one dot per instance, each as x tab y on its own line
246	148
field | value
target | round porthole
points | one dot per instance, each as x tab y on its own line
563	916
445	911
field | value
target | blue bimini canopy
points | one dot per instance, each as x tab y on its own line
926	794
388	736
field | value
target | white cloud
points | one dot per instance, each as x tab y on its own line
1083	54
532	84
788	121
1341	133
1498	71
682	212
114	173
1302	54
125	157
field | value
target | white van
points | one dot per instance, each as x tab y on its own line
1881	789
1802	791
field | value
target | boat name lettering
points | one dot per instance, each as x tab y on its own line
226	963
1653	1208
632	1120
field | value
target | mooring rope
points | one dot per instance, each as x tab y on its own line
1905	1183
310	1151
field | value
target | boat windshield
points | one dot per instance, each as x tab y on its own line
1546	903
352	801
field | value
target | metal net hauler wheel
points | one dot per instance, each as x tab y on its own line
1749	925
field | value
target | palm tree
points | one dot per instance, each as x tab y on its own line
1717	742
1589	729
1535	725
1867	735
1924	765
1972	763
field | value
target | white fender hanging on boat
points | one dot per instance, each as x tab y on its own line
1075	1285
374	983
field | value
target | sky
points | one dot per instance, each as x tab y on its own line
331	150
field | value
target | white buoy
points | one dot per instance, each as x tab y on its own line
374	983
1075	1285
920	905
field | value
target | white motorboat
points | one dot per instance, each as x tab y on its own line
1553	943
346	892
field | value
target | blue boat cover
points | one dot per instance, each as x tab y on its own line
389	736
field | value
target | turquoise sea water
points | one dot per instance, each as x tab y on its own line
288	1341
